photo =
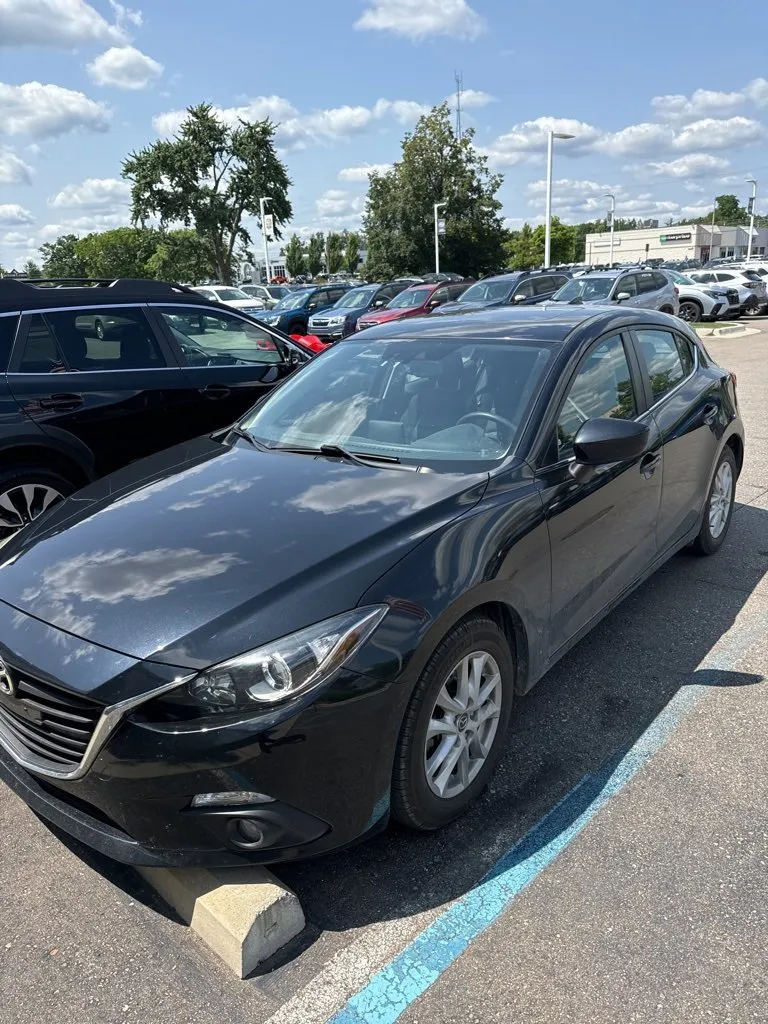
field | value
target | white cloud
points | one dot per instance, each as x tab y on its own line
701	103
124	67
11	214
337	203
695	211
15	240
297	130
44	110
580	199
757	92
528	141
97	221
418	19
13	170
61	24
472	98
711	133
363	172
124	15
635	139
690	166
93	193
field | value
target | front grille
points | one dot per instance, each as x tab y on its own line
53	726
319	323
733	296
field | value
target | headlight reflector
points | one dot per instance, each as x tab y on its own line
286	667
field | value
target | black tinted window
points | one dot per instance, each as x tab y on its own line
660	280
41	353
602	387
105	339
646	283
667	361
626	284
219	338
7	334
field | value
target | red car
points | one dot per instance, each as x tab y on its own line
414	301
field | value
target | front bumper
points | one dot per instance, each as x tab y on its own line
325	768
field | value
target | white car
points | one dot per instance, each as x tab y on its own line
753	294
704	302
229	296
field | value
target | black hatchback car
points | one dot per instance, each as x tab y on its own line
94	377
259	645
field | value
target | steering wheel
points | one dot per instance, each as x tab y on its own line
489	416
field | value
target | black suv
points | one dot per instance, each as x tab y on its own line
97	374
517	287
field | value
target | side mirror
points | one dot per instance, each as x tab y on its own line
434	303
379	303
602	441
518	297
623	296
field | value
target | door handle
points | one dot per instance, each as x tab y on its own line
648	464
214	391
62	402
709	413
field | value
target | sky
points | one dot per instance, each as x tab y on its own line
667	101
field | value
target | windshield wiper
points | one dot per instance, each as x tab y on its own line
335	450
246	435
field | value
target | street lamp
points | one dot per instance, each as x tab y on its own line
438	208
753	183
262	201
612	197
551	136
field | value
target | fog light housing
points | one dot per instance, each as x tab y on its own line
250	831
234	799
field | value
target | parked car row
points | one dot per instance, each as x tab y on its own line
263	643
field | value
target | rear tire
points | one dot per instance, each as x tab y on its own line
25	493
467	727
719	507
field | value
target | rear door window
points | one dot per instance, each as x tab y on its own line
7	334
106	339
668	359
41	352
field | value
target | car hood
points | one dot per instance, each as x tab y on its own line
208	550
385	315
337	311
245	303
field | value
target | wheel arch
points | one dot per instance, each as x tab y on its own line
736	445
31	454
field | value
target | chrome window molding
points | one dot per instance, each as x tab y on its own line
110	718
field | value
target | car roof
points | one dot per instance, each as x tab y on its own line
22	295
546	322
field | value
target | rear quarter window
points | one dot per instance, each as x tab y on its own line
8	326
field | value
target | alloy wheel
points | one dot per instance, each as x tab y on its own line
689	312
720	499
463	725
23	503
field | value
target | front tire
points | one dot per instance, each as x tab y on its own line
25	493
691	312
719	507
454	728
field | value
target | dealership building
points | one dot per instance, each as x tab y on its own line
681	242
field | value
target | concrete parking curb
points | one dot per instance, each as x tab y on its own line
734	331
244	914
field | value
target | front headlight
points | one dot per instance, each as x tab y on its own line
286	667
712	294
272	321
336	320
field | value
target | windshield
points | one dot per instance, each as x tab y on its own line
409	299
251	290
356	299
486	291
415	400
585	288
229	294
293	300
679	278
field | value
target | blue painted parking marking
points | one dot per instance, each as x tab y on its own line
392	990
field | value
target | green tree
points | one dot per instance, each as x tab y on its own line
352	252
61	258
436	166
211	175
315	253
335	248
121	252
182	255
522	250
728	211
294	256
31	269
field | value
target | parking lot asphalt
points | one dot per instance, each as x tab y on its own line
642	755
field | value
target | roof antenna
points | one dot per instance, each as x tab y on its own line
459	78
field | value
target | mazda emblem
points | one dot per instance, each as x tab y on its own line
6	683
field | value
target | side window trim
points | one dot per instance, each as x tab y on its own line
651	402
549	423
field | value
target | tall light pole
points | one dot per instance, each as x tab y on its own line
753	183
551	136
438	208
262	201
612	197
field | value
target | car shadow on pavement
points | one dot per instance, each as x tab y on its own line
578	721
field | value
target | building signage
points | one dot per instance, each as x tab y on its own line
606	245
683	236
